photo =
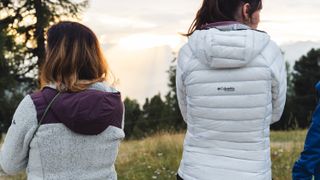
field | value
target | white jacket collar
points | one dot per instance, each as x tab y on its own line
226	26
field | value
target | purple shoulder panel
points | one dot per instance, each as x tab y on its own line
88	112
41	102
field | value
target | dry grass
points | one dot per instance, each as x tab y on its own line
158	157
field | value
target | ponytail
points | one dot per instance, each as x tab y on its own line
213	11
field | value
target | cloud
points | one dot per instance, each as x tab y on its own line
294	51
145	41
141	73
110	21
126	17
138	36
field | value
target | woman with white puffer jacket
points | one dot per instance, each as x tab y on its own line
231	85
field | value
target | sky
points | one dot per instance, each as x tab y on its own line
140	38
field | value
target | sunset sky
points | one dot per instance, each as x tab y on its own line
139	36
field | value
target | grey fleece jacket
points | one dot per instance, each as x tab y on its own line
78	140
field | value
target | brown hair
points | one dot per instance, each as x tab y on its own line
74	59
213	11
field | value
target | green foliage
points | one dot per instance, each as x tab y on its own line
8	105
132	115
23	25
287	121
156	114
22	46
148	120
290	91
172	104
152	114
10	96
301	94
305	77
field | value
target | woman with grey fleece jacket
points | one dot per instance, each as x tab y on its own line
80	134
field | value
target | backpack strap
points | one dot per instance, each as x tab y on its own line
44	115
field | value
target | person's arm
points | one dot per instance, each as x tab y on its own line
309	159
14	151
279	86
181	89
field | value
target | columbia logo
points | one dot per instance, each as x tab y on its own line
227	89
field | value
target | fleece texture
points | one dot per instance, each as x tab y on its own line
57	152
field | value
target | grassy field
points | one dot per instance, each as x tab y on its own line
158	157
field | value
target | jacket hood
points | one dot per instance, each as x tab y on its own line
227	45
89	112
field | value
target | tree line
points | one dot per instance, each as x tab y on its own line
302	96
159	114
22	49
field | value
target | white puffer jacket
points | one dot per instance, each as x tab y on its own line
231	85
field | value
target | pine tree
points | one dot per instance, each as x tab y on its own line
132	116
287	121
306	75
22	45
152	116
172	107
23	25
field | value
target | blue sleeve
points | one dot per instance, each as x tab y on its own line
309	160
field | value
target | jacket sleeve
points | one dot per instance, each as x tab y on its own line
279	86
309	161
14	151
306	166
181	89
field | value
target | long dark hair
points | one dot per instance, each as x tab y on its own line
213	11
74	59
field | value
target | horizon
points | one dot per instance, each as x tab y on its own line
140	38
